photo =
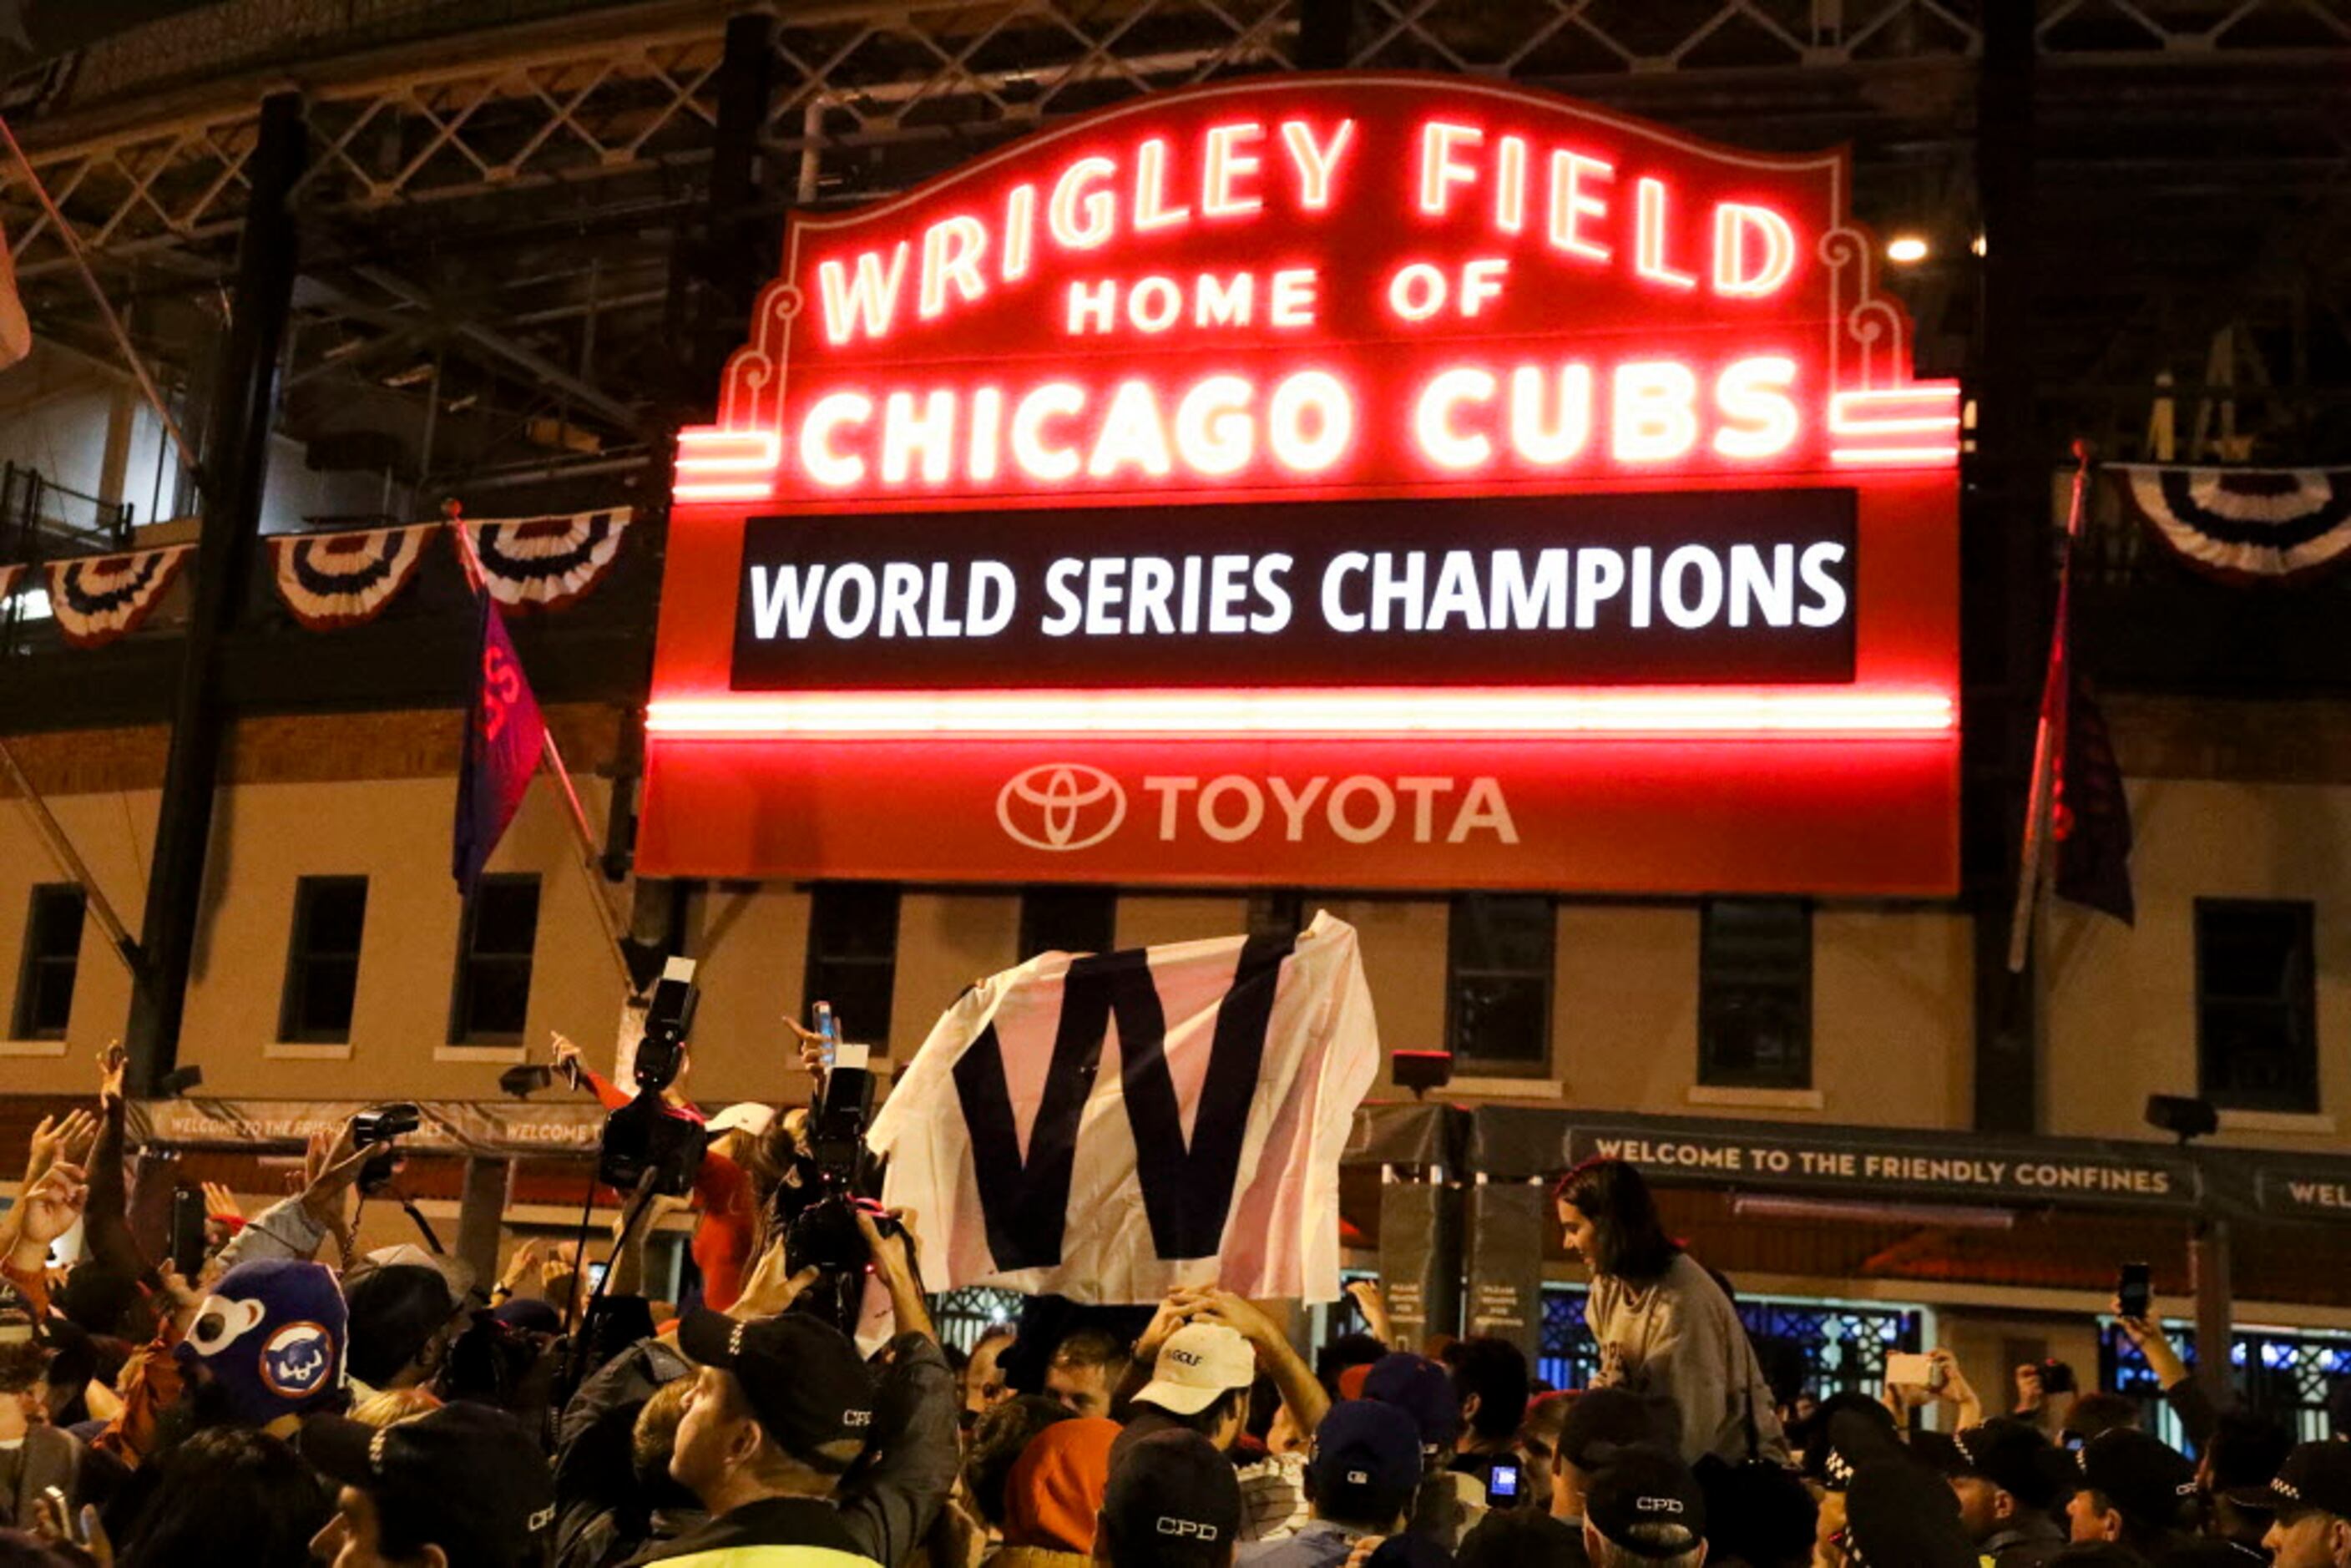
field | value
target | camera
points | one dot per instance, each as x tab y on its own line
824	1235
381	1124
648	1136
669	1018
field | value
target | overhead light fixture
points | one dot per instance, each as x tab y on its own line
1906	250
420	372
1950	1217
1976	245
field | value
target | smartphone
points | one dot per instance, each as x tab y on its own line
1503	1487
2056	1378
2135	1291
1905	1370
188	1231
830	1029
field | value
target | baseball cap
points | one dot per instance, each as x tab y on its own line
1642	1484
1615	1417
1852	1437
804	1379
2315	1477
464	1477
2146	1480
1422	1390
2242	1456
746	1116
1366	1461
395	1310
1172	1503
1900	1514
2012	1455
1829	1437
1197	1365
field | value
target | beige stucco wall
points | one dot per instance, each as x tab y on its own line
1624	1031
1149	919
1893	1017
2121	1002
750	942
945	941
1403	946
1892	1000
268	836
114	833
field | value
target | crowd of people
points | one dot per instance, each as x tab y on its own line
299	1400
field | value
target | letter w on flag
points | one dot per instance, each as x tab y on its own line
505	734
1112	1127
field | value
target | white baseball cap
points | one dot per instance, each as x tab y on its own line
746	1116
1198	1364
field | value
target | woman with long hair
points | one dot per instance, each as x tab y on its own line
1666	1327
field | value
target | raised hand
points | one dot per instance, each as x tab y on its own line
49	1207
220	1203
68	1137
1373	1304
112	1061
566	1058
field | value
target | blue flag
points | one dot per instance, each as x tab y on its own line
504	736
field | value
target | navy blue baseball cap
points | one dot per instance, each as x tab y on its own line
1366	1461
1422	1390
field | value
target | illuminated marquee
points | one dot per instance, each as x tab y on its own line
1381	283
1155	422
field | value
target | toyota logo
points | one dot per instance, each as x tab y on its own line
1061	806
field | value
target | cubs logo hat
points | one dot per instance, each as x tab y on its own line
805	1380
274	1335
1196	1367
464	1477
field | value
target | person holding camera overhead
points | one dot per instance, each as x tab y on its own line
727	1235
1665	1327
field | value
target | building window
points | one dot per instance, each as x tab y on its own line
1068	920
45	984
1755	994
493	951
2256	1005
852	959
322	963
1277	912
1497	984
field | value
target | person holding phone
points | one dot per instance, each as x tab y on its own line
1666	1327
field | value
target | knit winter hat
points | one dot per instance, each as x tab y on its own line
273	1334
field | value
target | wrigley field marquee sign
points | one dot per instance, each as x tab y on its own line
1359	480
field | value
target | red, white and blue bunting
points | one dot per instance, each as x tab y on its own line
331	580
544	563
99	600
2244	525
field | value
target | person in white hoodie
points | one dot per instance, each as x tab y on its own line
1665	1327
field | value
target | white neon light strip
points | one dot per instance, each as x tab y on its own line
1311	713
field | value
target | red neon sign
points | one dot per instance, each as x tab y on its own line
1316	288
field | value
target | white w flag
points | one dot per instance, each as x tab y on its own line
1112	1127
